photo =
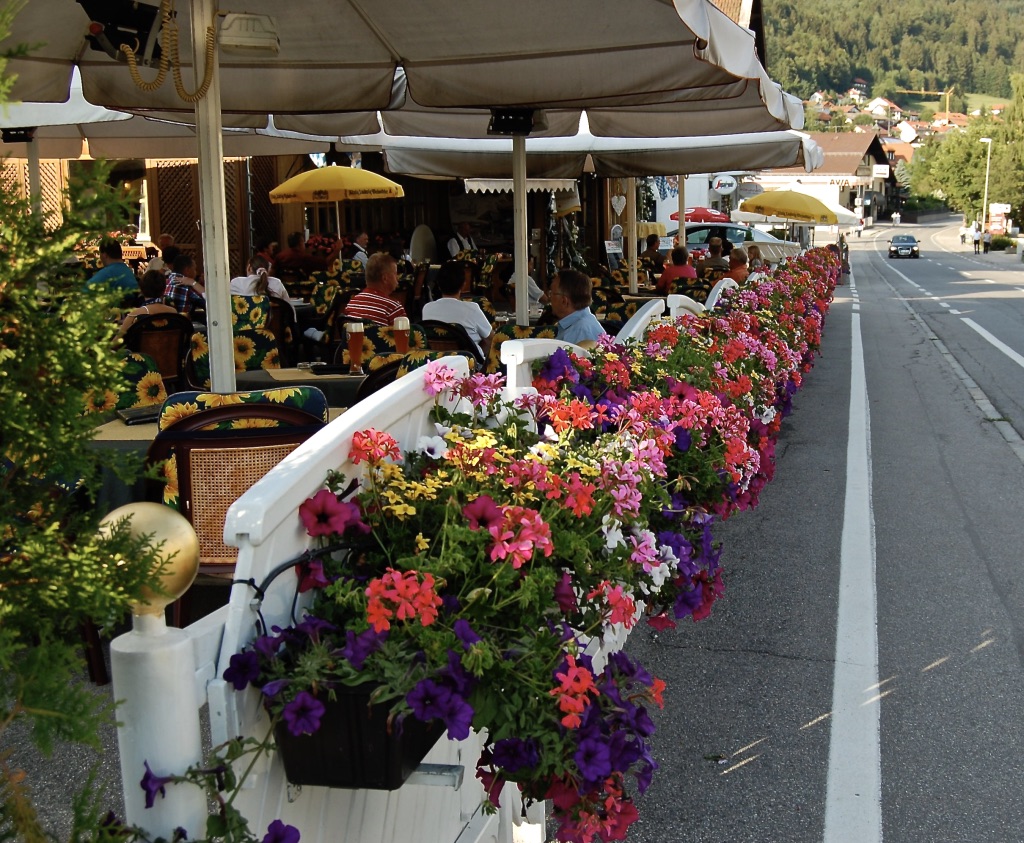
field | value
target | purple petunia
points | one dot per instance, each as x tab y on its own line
593	760
274	687
311	575
464	632
243	669
154	784
303	714
278	832
565	597
515	754
458	717
427	699
359	647
460	679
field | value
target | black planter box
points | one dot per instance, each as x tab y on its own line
352	747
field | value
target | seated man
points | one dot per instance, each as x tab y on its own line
463	240
115	274
679	269
570	297
184	291
714	260
451	283
738	271
375	302
651	255
152	286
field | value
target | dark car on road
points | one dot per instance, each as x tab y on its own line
904	246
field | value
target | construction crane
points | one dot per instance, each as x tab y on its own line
946	94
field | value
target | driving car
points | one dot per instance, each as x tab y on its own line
772	249
904	246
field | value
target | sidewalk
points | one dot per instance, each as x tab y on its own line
949	238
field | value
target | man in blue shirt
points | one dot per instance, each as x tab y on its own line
570	297
115	273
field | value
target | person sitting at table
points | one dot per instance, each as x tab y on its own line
451	284
295	260
114	273
651	255
159	261
570	296
738	271
538	298
679	269
376	303
714	265
360	240
152	285
259	281
463	240
184	291
755	263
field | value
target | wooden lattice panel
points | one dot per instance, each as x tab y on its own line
173	205
265	221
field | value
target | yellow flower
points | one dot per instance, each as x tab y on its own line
173	412
272	360
421	543
239	424
244	349
169	470
103	405
218	399
151	390
280	396
200	348
400	510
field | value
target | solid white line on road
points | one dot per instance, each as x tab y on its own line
853	799
1003	347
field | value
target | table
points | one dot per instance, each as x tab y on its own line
339	389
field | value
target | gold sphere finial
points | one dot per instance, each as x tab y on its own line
180	548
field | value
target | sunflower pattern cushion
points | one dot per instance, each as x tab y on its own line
253	350
145	386
183	404
515	332
250	313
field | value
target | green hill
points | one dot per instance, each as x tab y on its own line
972	45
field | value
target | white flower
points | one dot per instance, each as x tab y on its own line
433	446
612	530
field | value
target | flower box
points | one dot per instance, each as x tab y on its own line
355	747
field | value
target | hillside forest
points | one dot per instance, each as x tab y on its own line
930	45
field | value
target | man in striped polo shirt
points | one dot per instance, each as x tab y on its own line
374	303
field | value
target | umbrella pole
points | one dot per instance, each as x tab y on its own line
213	211
631	232
337	217
520	232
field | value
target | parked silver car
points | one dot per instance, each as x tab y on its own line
772	249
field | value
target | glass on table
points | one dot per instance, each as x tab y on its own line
400	331
354	331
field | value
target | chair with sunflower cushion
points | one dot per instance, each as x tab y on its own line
253	350
394	366
211	448
164	337
514	332
145	385
250	312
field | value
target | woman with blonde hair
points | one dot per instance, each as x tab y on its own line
754	260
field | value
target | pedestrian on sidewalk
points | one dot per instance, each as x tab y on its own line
987	240
860	226
976	236
963	235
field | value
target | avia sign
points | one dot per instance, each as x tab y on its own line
723	185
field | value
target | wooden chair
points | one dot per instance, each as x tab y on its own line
212	456
285	330
165	338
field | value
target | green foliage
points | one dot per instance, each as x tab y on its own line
55	570
921	44
1001	242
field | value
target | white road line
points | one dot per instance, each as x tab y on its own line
1003	347
853	799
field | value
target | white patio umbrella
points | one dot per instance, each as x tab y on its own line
332	57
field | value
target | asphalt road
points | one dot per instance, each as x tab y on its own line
768	736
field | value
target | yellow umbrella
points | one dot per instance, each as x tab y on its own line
790	205
335	184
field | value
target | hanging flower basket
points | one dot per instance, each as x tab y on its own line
356	746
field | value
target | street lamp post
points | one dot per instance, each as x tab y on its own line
988	164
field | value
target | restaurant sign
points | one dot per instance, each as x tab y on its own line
723	184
